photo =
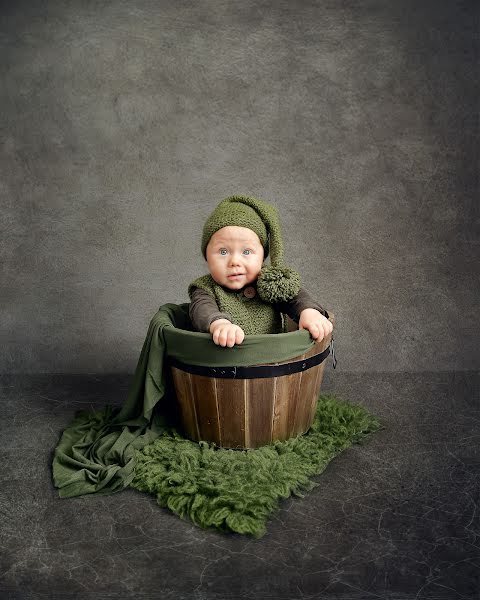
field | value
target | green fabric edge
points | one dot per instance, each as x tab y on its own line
195	348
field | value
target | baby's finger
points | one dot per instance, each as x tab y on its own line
222	337
312	329
239	336
231	338
327	328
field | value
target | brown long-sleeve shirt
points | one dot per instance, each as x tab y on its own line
204	309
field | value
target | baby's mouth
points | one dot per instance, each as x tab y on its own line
236	275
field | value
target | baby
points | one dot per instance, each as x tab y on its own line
241	295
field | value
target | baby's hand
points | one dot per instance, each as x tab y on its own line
225	333
313	321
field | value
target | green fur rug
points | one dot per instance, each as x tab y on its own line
238	490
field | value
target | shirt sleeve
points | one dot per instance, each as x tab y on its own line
294	307
203	311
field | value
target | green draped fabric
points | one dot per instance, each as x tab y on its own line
96	453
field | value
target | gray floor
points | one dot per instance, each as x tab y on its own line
394	518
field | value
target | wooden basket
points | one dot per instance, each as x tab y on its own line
249	413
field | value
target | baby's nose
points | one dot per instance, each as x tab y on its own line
234	258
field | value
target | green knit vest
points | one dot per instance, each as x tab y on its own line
253	315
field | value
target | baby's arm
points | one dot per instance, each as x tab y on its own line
224	333
203	310
205	316
308	313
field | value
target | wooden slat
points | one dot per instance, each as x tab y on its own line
308	396
297	409
284	387
184	396
260	411
246	409
231	409
204	395
321	372
313	407
293	405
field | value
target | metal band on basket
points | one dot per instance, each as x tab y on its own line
253	372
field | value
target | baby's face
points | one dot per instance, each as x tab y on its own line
234	256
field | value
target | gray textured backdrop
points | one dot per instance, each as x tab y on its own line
122	125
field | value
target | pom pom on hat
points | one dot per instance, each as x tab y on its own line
276	283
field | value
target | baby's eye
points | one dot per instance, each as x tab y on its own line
223	251
247	251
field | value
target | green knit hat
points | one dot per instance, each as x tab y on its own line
276	283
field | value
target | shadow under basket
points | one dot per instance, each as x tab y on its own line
251	406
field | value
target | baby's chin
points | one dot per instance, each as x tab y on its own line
235	284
